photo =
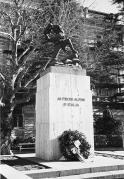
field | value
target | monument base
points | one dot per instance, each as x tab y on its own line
63	102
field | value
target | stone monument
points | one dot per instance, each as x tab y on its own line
63	102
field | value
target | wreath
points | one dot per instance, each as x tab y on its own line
73	145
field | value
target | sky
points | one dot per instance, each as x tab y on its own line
100	5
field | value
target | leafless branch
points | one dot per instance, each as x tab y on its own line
25	54
2	76
8	16
7	34
33	77
21	75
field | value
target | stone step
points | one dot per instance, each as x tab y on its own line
91	172
8	172
98	166
99	175
110	154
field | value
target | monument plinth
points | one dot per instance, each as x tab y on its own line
63	102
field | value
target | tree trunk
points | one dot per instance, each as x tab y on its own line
6	124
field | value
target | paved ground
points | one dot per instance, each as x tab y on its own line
100	159
121	152
107	163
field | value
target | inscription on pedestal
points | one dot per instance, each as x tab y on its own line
70	102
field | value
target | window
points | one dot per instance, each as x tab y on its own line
18	121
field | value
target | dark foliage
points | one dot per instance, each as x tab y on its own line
107	125
118	1
103	141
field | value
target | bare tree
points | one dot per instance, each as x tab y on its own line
23	25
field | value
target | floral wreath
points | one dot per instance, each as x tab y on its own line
73	145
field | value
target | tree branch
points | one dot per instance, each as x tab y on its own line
33	77
15	76
22	32
9	18
2	76
24	55
7	34
2	90
21	75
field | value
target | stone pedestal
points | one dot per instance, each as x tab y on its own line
63	102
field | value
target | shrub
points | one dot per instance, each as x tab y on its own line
103	141
107	125
68	139
115	141
100	141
